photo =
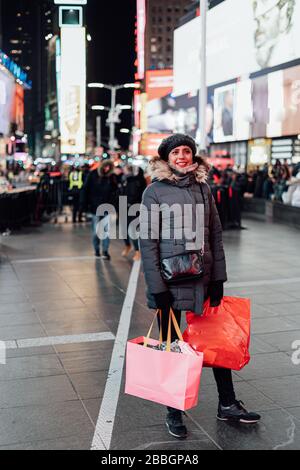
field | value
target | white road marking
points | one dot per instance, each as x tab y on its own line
264	282
56	340
49	260
105	422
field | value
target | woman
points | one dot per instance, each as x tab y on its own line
133	186
179	177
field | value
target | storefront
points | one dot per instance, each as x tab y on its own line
13	83
259	152
234	153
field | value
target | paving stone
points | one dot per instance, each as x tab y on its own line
89	384
60	328
282	341
31	366
284	391
32	427
86	361
276	430
36	391
21	332
13	319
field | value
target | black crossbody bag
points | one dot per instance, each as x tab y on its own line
184	267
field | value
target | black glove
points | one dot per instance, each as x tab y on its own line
215	293
163	300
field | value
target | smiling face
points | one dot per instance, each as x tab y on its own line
181	157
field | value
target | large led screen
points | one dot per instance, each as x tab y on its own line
73	90
7	92
256	35
164	112
266	106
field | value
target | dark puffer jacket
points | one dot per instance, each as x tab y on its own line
99	188
165	191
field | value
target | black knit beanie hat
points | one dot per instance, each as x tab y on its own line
173	141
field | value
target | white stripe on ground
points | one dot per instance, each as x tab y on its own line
49	260
56	340
105	422
264	282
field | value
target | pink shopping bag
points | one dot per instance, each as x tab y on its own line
165	377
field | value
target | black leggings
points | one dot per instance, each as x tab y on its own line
223	377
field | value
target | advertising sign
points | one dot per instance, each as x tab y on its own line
268	31
266	106
7	91
164	112
150	143
141	25
73	91
18	108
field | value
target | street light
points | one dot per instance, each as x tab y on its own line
96	85
123	107
98	107
124	131
113	117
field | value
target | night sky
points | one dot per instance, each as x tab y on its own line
111	53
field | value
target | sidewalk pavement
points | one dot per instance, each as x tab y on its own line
59	316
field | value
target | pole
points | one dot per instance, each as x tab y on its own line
203	83
112	119
98	133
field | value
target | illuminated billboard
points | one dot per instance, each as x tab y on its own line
258	35
7	94
164	112
70	2
266	106
140	46
150	143
73	90
18	108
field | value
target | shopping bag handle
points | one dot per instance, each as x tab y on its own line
176	326
151	328
177	329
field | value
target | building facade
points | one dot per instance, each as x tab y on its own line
161	18
27	27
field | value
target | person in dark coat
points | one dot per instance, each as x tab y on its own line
99	188
133	186
179	177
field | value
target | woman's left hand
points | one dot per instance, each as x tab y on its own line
215	293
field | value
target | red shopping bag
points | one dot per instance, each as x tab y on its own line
222	333
165	377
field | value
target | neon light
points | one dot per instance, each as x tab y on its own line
141	25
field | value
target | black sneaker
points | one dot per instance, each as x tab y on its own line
97	254
106	256
175	425
238	413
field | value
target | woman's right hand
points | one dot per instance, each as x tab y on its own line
163	300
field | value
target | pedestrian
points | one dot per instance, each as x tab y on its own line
99	188
75	186
133	186
179	177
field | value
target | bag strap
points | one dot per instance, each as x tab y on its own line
177	329
176	326
151	328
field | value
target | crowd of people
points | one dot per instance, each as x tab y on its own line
279	182
84	188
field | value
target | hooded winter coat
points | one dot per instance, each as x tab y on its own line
99	188
168	189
